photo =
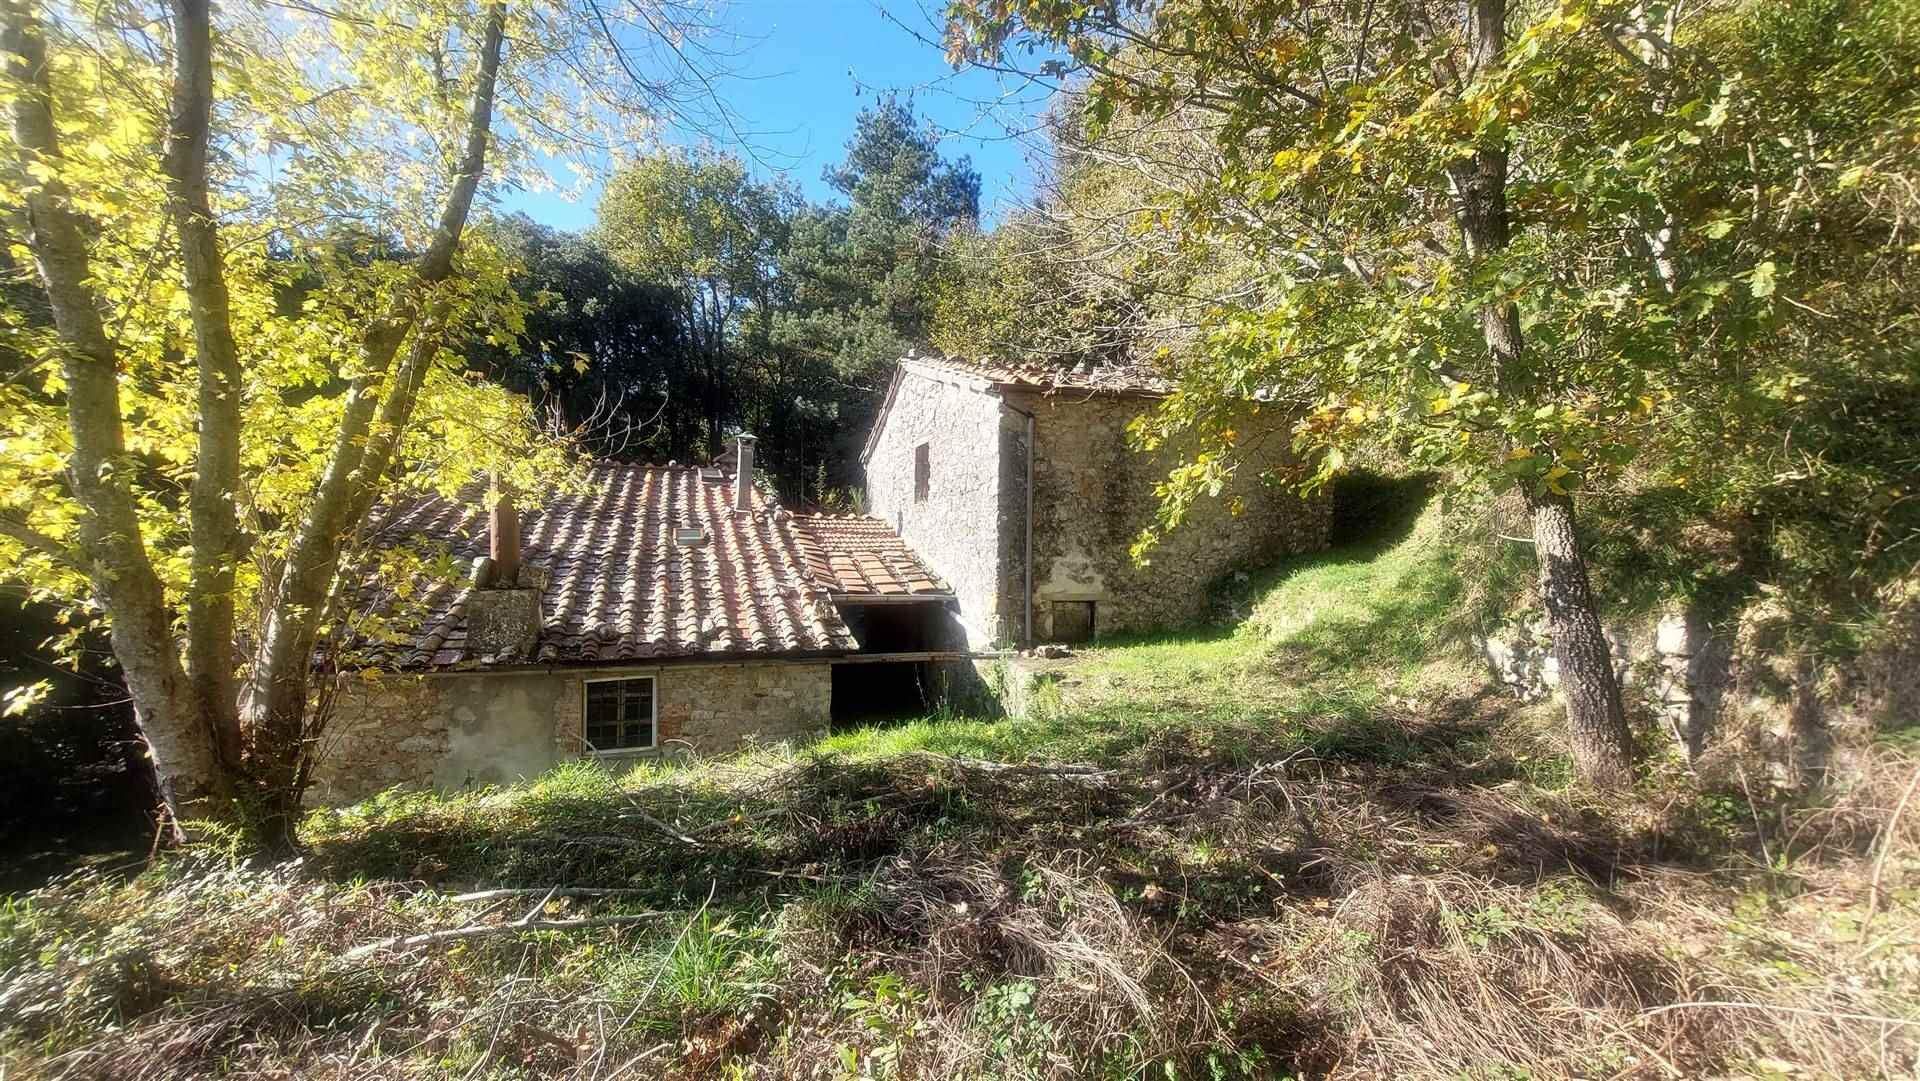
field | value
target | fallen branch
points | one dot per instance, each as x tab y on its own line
1835	1015
1888	835
520	926
659	825
602	839
1074	771
568	891
829	879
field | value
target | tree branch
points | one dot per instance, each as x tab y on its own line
211	666
70	558
526	925
278	699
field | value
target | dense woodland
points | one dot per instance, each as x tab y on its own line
704	302
1626	289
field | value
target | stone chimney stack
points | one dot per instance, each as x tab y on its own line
503	611
743	472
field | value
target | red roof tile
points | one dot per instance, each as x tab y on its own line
852	555
619	587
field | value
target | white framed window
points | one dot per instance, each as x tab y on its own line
620	714
922	472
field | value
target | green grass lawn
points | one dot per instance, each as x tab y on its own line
1313	844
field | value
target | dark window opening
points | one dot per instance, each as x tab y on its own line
922	473
1073	621
620	714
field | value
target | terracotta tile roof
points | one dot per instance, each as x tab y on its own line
619	587
854	555
1034	375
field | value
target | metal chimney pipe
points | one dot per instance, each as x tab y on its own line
503	538
743	472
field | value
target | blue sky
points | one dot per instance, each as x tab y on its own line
807	67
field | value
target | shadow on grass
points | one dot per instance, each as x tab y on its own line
1302	805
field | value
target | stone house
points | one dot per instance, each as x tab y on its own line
1015	483
656	607
653	608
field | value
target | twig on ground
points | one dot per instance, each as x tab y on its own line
1759	830
602	839
1888	834
659	825
1074	771
524	925
1835	1015
828	879
568	891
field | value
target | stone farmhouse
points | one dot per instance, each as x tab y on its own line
658	607
1016	484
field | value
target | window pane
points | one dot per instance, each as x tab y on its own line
619	714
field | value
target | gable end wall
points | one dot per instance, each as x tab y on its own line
967	530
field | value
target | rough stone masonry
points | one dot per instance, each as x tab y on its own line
459	730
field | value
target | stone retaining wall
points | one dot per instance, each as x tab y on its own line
1672	662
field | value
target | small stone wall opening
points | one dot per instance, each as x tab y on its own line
1073	622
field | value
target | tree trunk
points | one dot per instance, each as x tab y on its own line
1597	726
110	534
1596	722
278	747
212	663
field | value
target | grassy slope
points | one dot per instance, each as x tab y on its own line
1312	846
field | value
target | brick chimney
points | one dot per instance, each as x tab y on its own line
503	539
503	611
743	472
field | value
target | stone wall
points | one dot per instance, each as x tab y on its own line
1739	676
459	730
1672	663
966	530
1093	495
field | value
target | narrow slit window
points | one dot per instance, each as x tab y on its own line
922	472
619	715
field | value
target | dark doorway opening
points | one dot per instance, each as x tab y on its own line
882	691
890	678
